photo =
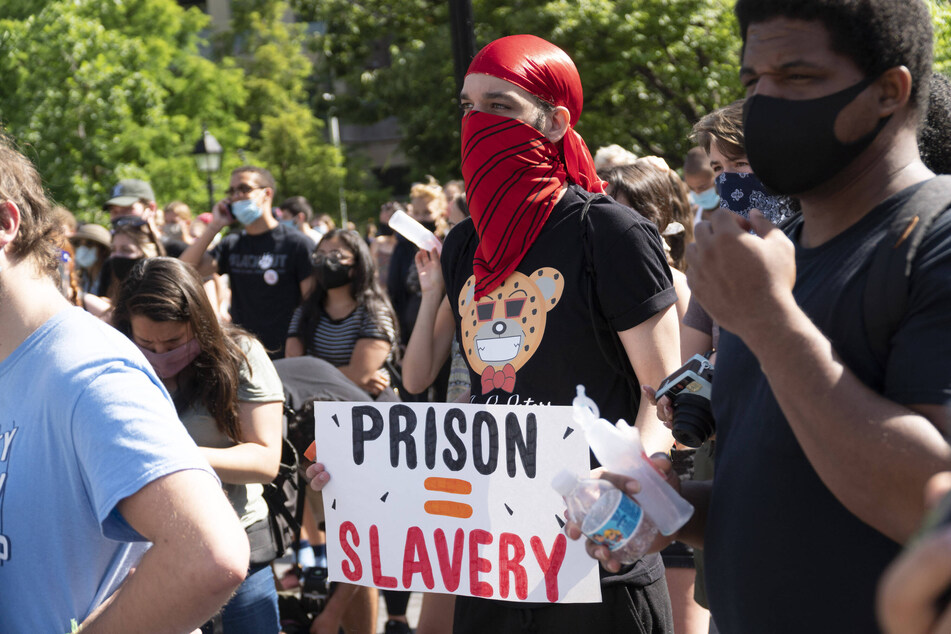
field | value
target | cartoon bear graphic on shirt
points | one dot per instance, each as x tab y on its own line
502	330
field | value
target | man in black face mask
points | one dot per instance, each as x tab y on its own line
822	449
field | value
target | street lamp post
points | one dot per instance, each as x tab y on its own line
207	155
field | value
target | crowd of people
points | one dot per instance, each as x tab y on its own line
800	247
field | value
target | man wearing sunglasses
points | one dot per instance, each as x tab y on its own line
268	264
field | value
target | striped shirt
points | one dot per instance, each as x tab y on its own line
334	340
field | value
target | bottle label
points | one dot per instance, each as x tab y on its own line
620	527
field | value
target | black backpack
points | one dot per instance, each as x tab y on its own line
285	500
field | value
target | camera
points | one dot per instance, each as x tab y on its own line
315	590
689	391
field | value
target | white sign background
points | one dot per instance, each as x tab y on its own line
391	539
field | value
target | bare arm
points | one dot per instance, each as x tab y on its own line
653	347
366	359
196	253
431	341
307	286
199	556
293	347
873	454
258	457
693	341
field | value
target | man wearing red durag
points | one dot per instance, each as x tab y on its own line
531	318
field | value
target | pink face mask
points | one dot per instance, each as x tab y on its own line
168	364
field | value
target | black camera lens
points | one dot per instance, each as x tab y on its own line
693	420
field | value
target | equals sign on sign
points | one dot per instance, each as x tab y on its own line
447	507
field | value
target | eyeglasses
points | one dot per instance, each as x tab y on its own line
243	189
128	221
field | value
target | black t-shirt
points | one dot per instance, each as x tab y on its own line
537	327
402	285
265	273
782	553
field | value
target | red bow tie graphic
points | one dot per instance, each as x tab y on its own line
498	379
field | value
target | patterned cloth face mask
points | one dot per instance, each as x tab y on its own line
741	192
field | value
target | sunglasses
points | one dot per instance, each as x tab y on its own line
127	221
243	189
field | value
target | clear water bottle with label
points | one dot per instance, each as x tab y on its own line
619	450
607	516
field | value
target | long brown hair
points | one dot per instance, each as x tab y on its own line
659	195
166	289
364	288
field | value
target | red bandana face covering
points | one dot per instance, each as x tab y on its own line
513	175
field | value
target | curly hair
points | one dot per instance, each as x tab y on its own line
875	34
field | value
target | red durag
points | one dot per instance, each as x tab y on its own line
512	173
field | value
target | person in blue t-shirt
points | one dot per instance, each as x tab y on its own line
94	463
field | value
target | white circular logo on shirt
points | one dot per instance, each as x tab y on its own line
270	277
266	262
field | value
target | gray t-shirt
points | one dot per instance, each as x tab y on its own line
258	383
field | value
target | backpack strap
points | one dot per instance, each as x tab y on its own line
617	358
886	288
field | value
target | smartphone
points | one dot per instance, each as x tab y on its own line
228	212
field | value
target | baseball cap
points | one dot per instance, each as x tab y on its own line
128	191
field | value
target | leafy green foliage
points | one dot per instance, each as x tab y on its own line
941	13
99	91
650	68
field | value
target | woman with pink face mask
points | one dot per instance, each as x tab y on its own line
229	397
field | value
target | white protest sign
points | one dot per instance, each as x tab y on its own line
453	498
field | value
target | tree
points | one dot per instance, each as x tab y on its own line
286	135
99	91
941	12
650	68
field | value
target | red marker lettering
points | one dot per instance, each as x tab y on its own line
353	569
416	559
378	579
478	564
450	570
512	565
550	565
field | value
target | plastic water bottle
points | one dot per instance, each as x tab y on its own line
619	450
607	516
412	230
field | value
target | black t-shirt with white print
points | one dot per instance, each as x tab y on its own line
531	340
265	273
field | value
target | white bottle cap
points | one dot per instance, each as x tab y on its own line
564	482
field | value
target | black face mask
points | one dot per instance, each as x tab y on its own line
331	273
791	144
122	266
429	224
384	230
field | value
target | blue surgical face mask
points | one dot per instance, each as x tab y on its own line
246	211
86	256
706	199
290	224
